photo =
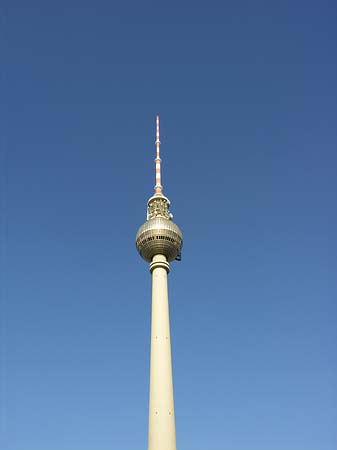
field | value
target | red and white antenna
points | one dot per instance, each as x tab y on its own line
158	187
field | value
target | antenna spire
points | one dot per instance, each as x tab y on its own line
158	187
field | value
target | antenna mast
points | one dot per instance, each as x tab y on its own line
158	187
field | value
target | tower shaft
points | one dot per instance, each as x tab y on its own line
162	434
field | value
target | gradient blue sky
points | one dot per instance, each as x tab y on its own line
246	91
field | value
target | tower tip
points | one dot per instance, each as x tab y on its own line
158	187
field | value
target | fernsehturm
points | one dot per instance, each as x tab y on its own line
159	241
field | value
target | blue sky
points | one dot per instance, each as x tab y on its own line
246	92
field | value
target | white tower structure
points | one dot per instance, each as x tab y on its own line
159	241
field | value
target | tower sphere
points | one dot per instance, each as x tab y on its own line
159	236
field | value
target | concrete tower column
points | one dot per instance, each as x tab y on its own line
162	433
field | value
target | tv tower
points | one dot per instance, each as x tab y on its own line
159	241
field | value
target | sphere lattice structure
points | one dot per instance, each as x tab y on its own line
159	236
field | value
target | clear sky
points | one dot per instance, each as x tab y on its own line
246	91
